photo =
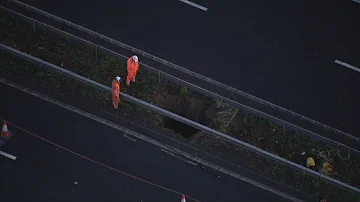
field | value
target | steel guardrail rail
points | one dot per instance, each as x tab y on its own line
192	86
184	70
176	117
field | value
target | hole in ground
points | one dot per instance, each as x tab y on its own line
178	127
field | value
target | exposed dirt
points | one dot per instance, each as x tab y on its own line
191	107
241	128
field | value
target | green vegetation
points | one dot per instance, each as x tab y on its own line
178	99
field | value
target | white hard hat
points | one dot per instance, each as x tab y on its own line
118	78
135	58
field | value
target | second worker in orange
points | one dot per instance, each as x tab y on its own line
116	92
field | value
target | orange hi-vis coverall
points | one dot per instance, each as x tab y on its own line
115	93
132	68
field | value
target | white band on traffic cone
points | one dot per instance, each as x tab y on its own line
4	128
183	198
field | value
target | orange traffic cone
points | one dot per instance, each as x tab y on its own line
183	198
5	132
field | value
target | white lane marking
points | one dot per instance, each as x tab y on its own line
125	135
172	154
149	140
12	157
347	65
194	5
357	1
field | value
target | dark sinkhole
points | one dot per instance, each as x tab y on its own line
178	127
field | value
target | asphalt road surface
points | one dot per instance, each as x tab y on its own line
280	51
44	172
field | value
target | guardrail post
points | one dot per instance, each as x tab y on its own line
96	52
159	78
34	25
284	128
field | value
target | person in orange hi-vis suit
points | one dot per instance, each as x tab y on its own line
132	68
116	92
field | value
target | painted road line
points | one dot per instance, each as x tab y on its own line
357	1
129	137
347	65
12	157
194	5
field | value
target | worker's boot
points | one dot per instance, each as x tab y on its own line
115	106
